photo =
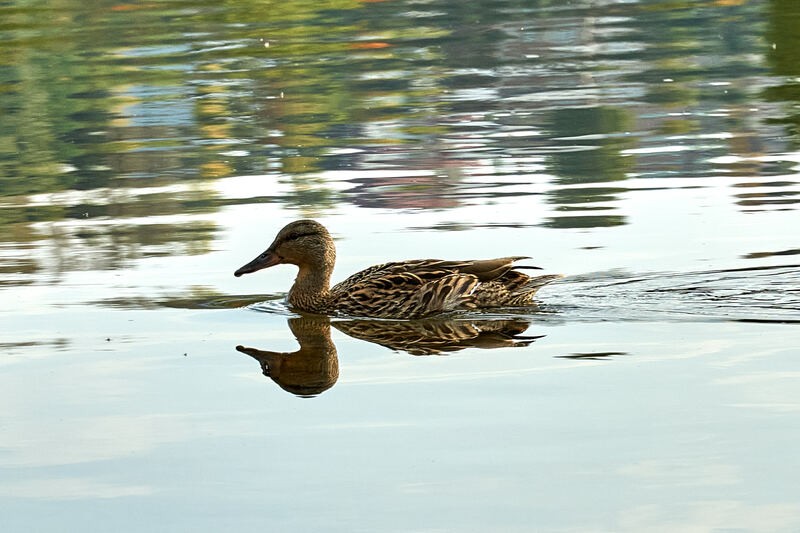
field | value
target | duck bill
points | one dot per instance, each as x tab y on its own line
265	260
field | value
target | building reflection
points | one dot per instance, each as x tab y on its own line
314	367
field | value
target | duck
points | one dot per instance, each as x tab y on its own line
409	289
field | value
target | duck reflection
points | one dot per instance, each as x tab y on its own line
314	368
309	371
439	337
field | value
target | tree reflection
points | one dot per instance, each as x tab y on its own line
314	368
129	111
591	141
783	40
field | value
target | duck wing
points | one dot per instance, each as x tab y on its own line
408	289
488	269
418	288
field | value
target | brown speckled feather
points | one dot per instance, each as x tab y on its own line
407	289
404	289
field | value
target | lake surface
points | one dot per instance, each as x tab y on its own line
649	150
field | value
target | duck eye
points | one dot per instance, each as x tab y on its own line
298	236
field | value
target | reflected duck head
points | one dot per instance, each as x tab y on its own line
309	371
305	243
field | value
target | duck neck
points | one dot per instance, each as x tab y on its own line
311	289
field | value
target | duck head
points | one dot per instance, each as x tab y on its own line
305	243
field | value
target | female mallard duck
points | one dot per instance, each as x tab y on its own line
403	289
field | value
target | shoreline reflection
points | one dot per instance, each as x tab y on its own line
314	367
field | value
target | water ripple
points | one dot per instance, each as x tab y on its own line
763	294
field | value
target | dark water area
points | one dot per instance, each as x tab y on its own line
646	149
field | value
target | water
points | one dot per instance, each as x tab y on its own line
648	150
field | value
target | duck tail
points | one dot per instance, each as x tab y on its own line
537	282
524	293
513	289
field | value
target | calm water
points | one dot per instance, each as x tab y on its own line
646	149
